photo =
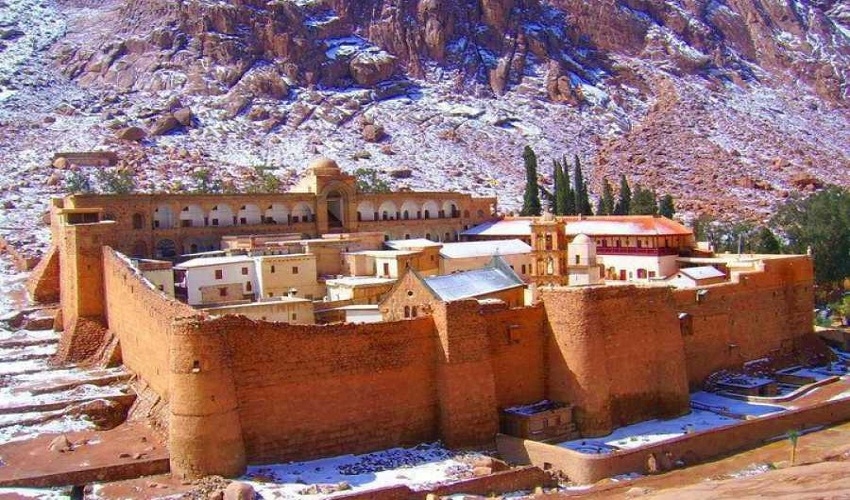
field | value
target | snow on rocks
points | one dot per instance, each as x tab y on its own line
418	467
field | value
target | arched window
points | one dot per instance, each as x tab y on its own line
406	311
138	221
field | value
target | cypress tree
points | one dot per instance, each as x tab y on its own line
624	203
582	197
643	202
666	207
531	199
561	189
606	201
569	193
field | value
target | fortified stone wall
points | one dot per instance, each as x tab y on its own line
616	353
517	347
142	318
762	313
307	391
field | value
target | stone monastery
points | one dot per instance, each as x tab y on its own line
273	327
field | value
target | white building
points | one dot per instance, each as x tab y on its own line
217	280
692	277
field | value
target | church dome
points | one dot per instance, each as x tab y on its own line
323	166
582	239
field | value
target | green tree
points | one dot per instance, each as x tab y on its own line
570	194
666	207
606	200
262	180
562	189
764	241
370	181
643	202
820	222
531	199
117	181
204	182
78	182
624	202
582	197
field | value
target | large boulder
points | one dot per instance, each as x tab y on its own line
134	134
165	124
239	491
370	68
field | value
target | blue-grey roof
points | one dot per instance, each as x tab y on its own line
475	283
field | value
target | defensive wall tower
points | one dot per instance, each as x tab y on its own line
465	382
81	237
204	432
617	353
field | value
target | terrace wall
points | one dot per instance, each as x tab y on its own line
691	448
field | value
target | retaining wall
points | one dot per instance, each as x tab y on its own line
692	448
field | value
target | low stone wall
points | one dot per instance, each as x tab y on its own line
22	261
692	448
525	478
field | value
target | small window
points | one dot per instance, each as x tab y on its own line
161	288
294	316
219	274
406	311
215	222
245	271
249	287
272	269
222	292
578	259
294	269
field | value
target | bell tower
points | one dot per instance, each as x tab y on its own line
548	250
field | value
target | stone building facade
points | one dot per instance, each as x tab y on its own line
326	201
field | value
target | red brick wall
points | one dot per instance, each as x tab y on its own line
308	391
142	318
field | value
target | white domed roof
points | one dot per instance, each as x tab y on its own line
583	239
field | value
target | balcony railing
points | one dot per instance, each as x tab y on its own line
655	252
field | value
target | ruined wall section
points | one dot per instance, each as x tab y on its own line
43	282
142	318
306	391
517	350
763	313
616	353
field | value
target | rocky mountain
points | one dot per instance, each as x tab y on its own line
729	105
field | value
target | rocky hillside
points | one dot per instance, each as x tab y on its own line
718	102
